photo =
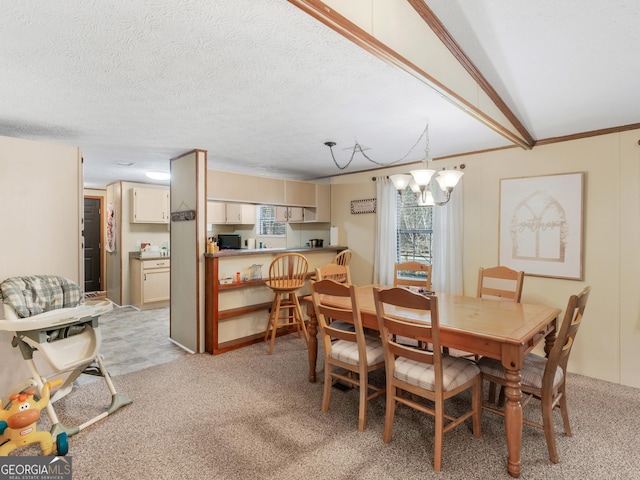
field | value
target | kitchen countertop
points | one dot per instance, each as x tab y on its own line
140	256
262	251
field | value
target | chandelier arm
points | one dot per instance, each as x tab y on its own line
447	197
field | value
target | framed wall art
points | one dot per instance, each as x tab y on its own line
363	206
541	225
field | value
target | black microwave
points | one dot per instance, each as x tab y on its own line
229	242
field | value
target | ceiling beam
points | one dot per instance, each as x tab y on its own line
331	18
443	34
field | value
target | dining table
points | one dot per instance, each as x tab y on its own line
500	329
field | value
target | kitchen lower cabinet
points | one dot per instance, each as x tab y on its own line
150	281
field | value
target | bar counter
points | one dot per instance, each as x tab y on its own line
261	251
236	313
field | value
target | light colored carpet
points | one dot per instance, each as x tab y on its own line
248	415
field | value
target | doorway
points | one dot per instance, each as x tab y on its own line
92	244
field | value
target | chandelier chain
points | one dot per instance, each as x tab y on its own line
358	148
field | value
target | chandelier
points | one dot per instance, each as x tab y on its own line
419	180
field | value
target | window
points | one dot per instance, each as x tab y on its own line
267	225
415	230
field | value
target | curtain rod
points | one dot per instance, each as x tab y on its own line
462	166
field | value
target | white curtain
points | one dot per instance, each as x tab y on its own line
386	226
447	245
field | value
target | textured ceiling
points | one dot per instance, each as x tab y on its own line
261	85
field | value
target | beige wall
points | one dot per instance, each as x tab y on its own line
42	207
608	342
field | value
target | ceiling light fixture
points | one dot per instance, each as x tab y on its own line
359	148
419	180
158	175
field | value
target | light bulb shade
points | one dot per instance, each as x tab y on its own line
425	199
400	181
447	179
415	188
422	176
158	175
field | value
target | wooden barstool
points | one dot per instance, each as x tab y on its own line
287	274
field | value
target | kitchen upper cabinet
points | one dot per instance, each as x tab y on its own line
216	212
255	189
150	205
241	214
299	193
322	212
231	213
289	214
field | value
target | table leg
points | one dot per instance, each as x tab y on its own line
513	421
312	330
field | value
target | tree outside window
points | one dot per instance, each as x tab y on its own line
415	230
267	225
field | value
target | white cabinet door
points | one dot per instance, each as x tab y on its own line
234	213
157	283
241	214
216	212
248	214
289	214
231	213
296	214
150	281
149	205
282	214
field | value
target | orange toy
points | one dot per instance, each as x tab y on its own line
18	423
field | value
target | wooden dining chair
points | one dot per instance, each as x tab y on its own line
545	378
343	257
334	271
416	278
423	373
287	274
500	283
340	274
496	283
349	356
420	275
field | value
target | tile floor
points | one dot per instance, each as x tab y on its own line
133	340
